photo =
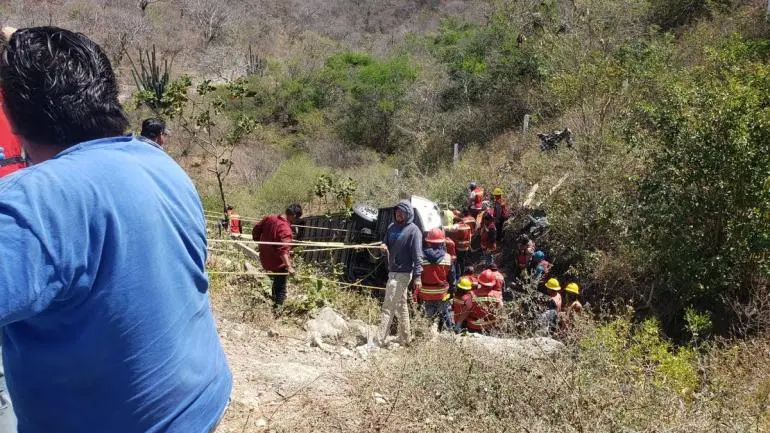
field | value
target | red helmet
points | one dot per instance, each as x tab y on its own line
487	278
435	236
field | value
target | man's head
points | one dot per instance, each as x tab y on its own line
58	90
294	212
402	212
228	208
155	130
472	186
468	270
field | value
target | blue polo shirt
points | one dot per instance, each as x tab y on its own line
103	295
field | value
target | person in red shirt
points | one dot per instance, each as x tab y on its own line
11	155
276	258
235	227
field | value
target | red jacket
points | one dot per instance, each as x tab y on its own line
451	248
461	306
435	279
235	223
273	228
461	234
489	237
11	148
486	304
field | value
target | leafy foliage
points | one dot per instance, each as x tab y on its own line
703	204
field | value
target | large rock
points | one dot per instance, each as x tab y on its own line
530	348
327	327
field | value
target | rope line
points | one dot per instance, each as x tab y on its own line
375	245
211	216
271	274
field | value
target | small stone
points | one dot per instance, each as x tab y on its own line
261	422
379	398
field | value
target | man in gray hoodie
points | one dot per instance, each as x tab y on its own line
403	244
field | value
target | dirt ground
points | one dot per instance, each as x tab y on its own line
282	384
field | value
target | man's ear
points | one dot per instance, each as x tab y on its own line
8	32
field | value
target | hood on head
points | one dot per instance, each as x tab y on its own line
434	254
405	206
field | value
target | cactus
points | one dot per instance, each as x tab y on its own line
255	65
150	79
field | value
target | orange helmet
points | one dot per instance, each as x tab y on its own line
487	278
435	236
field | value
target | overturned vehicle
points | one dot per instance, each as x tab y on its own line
367	225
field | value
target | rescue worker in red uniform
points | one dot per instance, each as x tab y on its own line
487	303
437	273
462	303
460	233
475	199
235	226
488	238
500	211
499	277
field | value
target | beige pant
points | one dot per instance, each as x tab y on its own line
396	303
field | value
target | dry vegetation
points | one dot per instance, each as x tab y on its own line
665	210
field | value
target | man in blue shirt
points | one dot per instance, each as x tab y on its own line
103	292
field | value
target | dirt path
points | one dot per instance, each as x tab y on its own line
282	384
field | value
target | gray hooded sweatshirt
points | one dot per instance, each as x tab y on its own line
404	243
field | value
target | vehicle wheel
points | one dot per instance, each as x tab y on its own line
367	213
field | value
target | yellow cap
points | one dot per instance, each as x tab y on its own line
553	284
497	191
573	288
465	283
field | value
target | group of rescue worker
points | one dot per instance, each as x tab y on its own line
463	300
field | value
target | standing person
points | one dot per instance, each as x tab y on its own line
526	249
104	307
488	235
475	199
500	209
437	275
461	233
550	318
403	245
234	226
154	129
275	256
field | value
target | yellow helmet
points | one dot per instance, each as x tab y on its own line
553	284
465	283
573	288
497	191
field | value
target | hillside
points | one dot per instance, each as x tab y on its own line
661	214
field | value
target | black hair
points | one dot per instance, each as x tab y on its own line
468	270
295	210
59	88
228	207
153	128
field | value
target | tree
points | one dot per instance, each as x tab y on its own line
202	117
703	206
